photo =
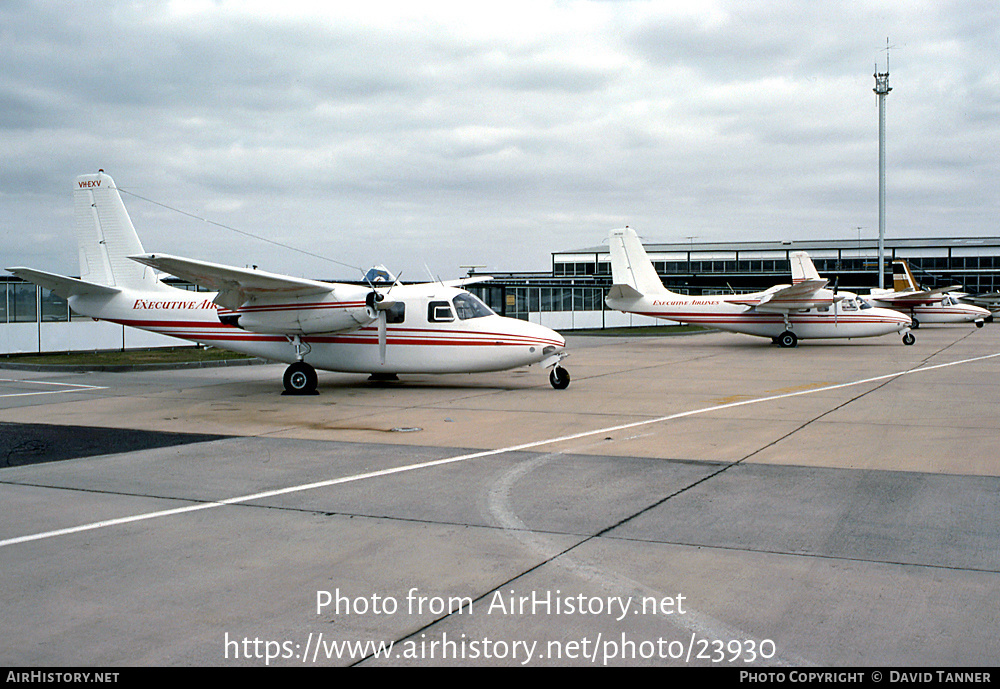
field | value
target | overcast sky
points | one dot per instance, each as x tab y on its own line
443	134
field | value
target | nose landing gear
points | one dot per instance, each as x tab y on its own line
559	378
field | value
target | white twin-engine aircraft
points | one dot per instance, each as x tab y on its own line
926	306
805	309
381	329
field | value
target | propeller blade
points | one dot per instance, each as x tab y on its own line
382	316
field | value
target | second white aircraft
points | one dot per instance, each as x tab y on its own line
805	309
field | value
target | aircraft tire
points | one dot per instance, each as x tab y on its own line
787	339
300	379
980	324
914	323
559	378
909	339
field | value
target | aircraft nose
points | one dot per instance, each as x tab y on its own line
551	341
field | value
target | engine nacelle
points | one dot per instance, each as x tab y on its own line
307	315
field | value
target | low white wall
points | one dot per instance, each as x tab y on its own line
78	335
84	335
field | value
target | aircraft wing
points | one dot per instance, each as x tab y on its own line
806	294
989	300
928	296
234	285
472	279
62	285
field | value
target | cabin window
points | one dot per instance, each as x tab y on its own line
468	306
395	313
439	312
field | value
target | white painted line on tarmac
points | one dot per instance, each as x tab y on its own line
473	455
74	387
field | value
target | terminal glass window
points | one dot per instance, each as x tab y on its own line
54	308
22	303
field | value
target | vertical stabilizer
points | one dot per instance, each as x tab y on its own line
802	267
902	278
630	266
106	236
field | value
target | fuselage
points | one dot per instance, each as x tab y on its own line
432	329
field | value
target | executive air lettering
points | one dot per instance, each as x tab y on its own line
142	304
685	302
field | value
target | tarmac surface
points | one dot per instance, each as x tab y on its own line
701	500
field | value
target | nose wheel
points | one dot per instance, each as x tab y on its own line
300	379
909	339
559	378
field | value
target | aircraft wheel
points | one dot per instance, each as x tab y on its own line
787	339
909	339
300	379
559	378
980	324
914	323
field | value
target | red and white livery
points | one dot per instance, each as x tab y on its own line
941	305
805	309
381	329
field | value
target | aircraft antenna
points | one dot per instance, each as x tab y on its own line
243	232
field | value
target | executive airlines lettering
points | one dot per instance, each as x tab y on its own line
683	302
142	304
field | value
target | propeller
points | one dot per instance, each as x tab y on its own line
378	304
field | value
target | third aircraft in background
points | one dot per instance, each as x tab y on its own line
805	309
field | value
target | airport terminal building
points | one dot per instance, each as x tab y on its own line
571	296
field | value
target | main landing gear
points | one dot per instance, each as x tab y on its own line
300	378
559	378
908	338
786	339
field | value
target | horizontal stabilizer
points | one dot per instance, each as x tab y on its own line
234	285
623	292
62	285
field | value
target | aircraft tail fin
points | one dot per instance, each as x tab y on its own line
106	237
630	265
902	278
802	267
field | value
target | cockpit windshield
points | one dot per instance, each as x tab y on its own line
469	306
